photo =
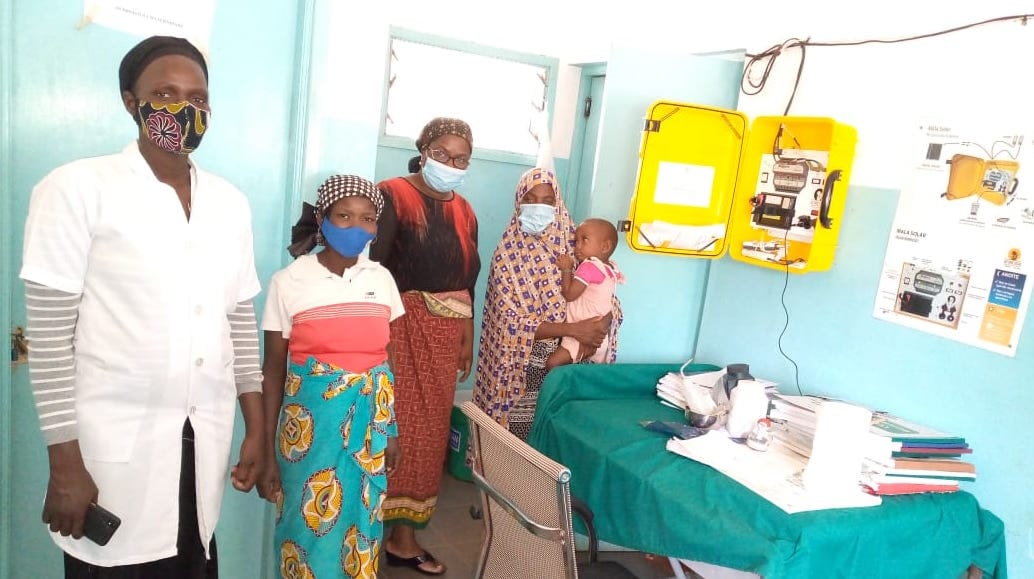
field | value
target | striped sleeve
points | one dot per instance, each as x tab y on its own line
52	316
244	333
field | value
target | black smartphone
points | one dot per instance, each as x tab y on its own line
100	524
677	429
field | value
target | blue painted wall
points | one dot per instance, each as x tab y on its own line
6	376
663	295
843	351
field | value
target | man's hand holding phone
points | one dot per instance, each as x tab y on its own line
70	491
71	504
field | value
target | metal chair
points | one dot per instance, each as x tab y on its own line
526	509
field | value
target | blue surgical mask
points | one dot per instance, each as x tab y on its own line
535	217
348	241
441	177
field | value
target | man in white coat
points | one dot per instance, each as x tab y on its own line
139	274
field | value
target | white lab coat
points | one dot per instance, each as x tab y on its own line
152	341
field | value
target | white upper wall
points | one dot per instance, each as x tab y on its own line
582	31
882	90
976	77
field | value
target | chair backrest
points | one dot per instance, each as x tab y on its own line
526	503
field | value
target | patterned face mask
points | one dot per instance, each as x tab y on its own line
176	127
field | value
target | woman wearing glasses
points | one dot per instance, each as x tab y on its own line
427	238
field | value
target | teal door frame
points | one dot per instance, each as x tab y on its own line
589	71
6	277
302	99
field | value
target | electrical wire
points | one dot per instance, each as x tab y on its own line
786	313
767	58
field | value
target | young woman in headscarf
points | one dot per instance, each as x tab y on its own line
328	395
427	238
524	316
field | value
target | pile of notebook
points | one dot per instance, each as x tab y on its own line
920	459
901	457
694	390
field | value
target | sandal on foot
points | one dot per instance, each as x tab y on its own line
414	562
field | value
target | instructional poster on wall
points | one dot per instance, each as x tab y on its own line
961	249
190	19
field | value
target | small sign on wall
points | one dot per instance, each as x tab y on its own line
190	19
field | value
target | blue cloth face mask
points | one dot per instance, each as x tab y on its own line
535	217
348	241
441	177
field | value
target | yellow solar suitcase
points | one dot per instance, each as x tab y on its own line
770	193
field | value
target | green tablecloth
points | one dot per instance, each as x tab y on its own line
655	501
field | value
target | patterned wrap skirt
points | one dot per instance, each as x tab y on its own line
331	440
426	352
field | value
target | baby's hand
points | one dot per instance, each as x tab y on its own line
565	262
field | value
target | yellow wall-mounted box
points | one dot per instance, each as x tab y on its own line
771	195
689	159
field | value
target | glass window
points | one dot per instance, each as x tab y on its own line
501	98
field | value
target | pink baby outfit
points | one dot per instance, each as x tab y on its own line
601	280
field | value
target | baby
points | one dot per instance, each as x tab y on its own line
589	289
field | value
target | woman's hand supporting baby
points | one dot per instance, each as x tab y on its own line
591	333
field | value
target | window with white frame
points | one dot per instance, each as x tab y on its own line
504	100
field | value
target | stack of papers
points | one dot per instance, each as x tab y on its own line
775	475
694	390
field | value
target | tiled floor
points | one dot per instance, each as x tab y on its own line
452	535
455	539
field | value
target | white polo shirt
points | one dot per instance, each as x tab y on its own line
343	320
152	341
